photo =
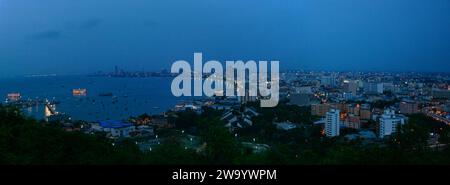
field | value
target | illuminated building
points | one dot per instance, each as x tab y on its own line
351	87
409	107
440	93
332	123
352	121
389	123
373	88
14	96
320	109
364	112
328	81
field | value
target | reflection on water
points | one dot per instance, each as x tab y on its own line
130	96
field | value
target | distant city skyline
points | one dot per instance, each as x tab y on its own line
79	37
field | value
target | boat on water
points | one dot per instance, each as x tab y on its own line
79	92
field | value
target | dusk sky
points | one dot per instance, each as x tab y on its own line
83	36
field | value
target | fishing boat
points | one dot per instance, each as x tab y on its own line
79	92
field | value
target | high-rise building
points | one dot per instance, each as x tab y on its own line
373	88
320	109
388	86
365	112
409	107
440	93
353	109
352	121
351	87
389	123
300	99
328	81
332	123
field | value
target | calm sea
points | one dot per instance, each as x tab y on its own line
133	96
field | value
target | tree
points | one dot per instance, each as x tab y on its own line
186	119
26	141
221	146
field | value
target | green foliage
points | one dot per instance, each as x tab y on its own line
284	112
445	135
171	154
221	146
186	119
25	141
381	104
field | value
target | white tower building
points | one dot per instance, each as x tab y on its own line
389	123
332	123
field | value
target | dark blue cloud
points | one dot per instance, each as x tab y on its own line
381	35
